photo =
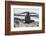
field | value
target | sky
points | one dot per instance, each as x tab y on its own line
20	10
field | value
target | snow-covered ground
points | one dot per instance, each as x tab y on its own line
22	24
